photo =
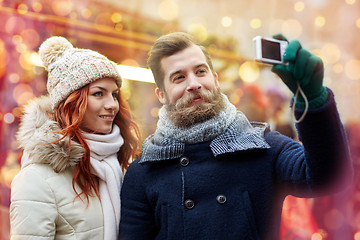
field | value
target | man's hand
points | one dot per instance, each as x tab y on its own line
303	67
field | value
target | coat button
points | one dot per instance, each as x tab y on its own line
189	204
221	199
184	161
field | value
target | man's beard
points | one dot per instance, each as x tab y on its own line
185	113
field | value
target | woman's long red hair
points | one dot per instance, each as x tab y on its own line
70	114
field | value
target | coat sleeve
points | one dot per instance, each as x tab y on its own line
137	217
33	209
322	162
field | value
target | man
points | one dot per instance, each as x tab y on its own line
207	172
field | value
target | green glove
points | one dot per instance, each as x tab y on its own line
305	68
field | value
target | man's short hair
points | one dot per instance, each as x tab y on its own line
168	45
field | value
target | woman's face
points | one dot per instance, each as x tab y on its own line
102	106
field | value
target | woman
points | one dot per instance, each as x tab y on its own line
77	142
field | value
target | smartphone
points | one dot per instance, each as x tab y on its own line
270	50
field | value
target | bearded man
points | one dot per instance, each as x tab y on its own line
209	173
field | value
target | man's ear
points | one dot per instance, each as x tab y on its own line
216	78
161	96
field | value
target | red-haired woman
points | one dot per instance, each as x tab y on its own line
77	142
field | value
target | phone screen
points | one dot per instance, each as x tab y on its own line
270	50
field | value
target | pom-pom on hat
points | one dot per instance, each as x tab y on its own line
70	69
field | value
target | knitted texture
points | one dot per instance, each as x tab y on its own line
70	69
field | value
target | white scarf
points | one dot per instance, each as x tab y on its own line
105	165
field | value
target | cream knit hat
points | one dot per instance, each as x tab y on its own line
70	69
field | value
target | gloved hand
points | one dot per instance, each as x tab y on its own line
305	68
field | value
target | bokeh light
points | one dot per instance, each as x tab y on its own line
357	236
291	28
37	7
116	17
338	68
226	21
320	21
299	6
255	23
316	236
249	71
350	2
62	7
352	69
199	31
86	13
9	118
168	10
22	8
23	93
331	52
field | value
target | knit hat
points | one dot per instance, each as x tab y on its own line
70	69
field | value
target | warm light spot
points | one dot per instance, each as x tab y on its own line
86	13
338	68
350	2
249	71
22	8
102	19
14	78
155	112
291	28
37	7
35	59
22	94
15	24
234	98
358	22
168	10
352	69
333	219
320	21
116	17
357	236
30	37
299	6
255	23
9	118
130	62
62	7
331	52
17	112
119	27
226	21
316	236
199	31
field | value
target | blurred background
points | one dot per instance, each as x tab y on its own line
124	32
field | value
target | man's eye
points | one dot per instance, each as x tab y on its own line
178	77
200	71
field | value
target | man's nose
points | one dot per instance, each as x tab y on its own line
193	84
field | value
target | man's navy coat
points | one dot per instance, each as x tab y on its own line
235	195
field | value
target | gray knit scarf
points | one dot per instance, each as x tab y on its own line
230	128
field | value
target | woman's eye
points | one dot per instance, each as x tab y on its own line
98	94
115	95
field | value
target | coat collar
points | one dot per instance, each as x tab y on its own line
158	148
37	138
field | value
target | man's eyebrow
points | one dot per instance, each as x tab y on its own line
174	73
